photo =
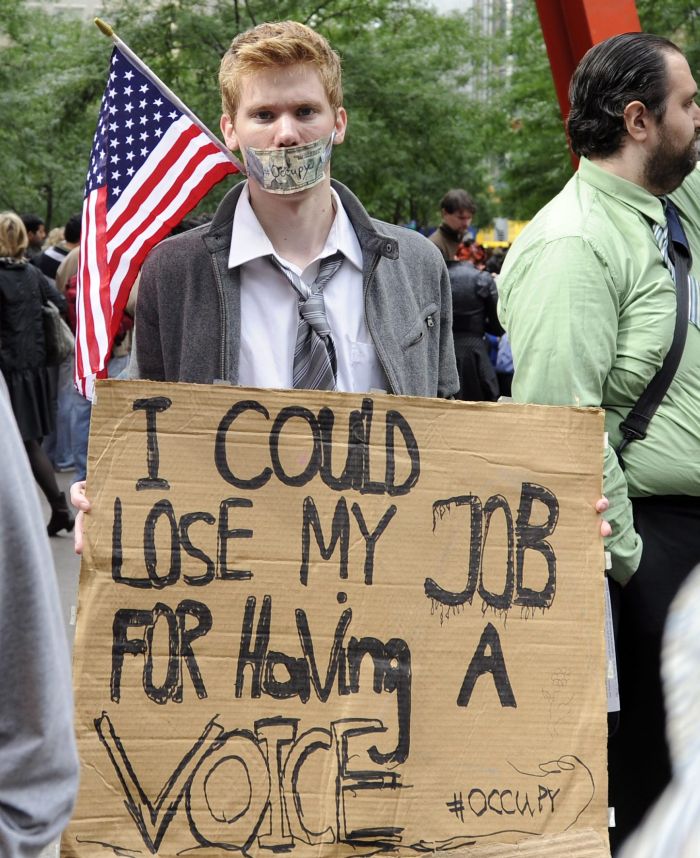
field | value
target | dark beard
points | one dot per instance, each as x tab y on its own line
667	167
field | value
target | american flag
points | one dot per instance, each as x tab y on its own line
152	161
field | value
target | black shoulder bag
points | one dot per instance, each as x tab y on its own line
59	341
634	426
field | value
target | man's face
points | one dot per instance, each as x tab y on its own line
36	239
459	221
674	153
282	107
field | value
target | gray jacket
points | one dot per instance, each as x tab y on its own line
188	319
38	759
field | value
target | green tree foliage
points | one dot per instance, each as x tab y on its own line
413	130
678	20
50	71
433	101
533	158
533	162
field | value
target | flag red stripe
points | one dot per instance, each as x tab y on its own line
215	176
107	268
91	225
151	181
104	271
80	367
156	183
115	253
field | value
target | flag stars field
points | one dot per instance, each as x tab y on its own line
125	212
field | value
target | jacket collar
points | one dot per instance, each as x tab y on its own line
218	236
13	262
450	233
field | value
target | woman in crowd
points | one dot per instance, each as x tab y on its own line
23	290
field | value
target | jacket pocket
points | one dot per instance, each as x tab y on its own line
418	330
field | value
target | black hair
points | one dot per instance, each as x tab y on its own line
625	68
31	222
495	262
71	231
456	200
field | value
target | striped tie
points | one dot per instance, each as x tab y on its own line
315	363
678	238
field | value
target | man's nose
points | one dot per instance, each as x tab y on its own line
286	131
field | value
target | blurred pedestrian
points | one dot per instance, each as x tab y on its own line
58	443
470	251
504	355
474	300
53	255
67	269
36	234
38	759
671	829
54	237
457	210
23	290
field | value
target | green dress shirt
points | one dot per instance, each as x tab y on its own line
590	307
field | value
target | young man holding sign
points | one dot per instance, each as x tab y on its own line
292	284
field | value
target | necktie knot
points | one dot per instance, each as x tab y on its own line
315	362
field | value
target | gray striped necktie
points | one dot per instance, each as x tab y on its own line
315	363
661	237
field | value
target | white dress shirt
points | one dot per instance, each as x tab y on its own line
269	311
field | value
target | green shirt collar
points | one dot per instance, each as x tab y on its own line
626	192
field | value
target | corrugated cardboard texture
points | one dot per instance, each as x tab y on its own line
332	625
579	842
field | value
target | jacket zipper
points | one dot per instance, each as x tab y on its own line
222	304
375	340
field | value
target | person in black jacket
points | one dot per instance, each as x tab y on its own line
474	300
23	290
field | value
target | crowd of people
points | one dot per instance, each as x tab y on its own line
32	385
301	288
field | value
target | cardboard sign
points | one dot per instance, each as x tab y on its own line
332	624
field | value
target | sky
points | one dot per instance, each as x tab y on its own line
448	5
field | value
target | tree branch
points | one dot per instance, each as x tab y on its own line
250	14
319	18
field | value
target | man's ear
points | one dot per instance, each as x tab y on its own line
637	121
341	124
230	137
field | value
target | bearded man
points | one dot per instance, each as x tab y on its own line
588	297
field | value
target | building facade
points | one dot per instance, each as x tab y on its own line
85	9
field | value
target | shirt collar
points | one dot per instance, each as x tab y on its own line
623	191
250	242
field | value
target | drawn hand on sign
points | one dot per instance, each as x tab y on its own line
559	698
559	790
82	504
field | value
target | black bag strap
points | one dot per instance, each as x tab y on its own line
634	426
43	283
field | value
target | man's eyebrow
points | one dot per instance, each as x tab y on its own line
272	104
